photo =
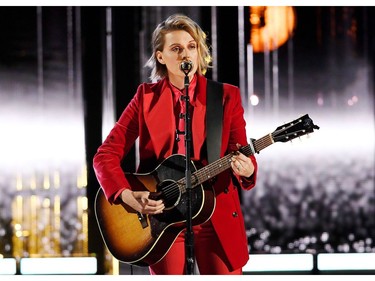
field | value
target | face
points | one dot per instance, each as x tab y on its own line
178	46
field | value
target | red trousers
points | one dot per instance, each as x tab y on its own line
209	255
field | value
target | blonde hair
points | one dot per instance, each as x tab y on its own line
173	23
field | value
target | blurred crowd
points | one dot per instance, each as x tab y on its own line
36	220
313	204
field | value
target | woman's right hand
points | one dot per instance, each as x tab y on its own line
140	201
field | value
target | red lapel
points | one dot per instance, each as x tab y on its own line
198	122
158	113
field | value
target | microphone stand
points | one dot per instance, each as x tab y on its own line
189	235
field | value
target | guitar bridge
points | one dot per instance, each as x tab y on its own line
142	219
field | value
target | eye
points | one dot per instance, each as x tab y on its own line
176	49
192	46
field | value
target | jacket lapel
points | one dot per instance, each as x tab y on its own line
159	118
199	117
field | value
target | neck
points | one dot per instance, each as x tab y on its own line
178	81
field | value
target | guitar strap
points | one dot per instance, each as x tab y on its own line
214	119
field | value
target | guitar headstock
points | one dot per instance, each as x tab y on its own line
297	128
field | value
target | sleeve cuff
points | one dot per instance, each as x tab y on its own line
247	181
117	196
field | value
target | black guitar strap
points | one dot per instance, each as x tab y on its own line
214	119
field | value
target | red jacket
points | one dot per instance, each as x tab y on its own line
148	116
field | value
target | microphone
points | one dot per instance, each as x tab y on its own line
186	66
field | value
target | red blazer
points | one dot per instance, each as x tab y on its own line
148	116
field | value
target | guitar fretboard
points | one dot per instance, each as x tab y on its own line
213	169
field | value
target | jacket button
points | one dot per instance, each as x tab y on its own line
234	214
226	190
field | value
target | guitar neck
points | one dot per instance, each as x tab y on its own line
213	169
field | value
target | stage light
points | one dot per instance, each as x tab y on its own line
254	100
271	26
8	266
351	261
68	265
279	262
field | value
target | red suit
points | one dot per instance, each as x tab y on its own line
148	116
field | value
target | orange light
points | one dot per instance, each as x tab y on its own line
271	26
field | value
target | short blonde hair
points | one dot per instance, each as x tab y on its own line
173	23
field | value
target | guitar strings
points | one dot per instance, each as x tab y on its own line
172	190
200	176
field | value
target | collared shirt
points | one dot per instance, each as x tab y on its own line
179	107
177	93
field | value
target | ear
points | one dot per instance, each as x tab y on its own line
159	57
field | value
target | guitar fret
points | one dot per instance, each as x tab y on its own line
220	165
263	142
211	170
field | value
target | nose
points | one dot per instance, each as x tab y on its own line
185	54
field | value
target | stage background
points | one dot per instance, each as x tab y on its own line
66	74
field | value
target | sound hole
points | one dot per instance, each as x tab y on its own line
171	193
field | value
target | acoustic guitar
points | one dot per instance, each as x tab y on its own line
143	240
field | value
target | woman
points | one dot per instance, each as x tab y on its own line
221	242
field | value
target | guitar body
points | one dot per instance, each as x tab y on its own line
145	239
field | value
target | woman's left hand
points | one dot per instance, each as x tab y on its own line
242	165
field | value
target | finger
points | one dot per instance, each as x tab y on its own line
238	162
242	166
144	200
242	157
154	209
236	166
154	203
139	195
232	163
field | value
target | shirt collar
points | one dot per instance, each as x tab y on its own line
177	92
